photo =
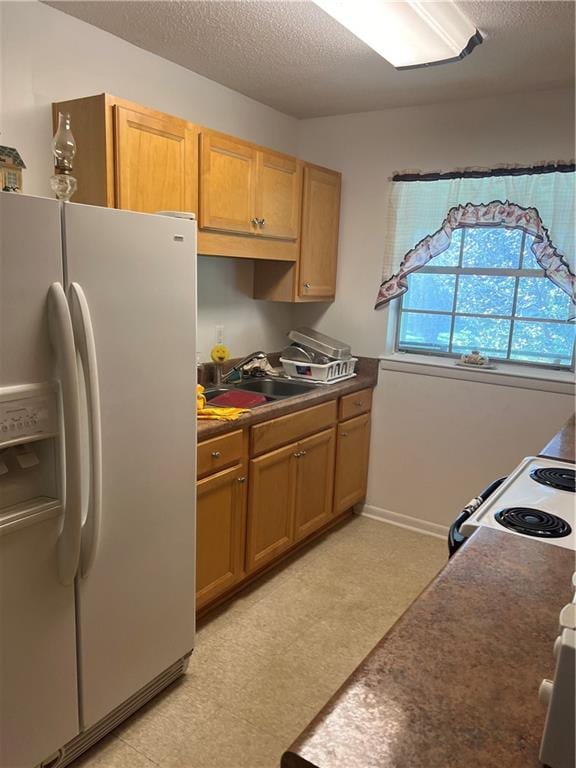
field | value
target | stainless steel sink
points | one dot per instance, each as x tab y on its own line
272	389
213	392
276	388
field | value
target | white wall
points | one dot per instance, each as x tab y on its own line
436	441
49	56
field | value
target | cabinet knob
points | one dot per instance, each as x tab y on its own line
302	453
297	454
343	434
254	222
358	403
307	285
241	479
261	222
216	454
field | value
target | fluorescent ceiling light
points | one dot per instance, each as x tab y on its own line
408	34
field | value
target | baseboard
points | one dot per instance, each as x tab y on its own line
405	521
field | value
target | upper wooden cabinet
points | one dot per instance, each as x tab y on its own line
154	162
132	157
227	184
251	202
246	189
313	278
278	195
320	225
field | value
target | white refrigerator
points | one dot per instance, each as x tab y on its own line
97	469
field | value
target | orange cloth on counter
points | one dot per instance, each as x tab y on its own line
216	412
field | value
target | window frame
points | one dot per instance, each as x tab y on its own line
458	271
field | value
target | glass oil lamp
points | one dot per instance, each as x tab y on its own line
63	148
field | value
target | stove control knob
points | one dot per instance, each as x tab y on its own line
545	692
568	616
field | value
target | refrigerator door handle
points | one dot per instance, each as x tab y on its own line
62	338
86	345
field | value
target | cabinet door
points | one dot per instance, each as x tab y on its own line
352	449
271	506
156	162
220	529
320	222
227	184
278	195
315	484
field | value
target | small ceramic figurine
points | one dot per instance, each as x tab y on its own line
11	167
475	358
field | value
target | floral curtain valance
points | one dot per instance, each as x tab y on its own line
422	215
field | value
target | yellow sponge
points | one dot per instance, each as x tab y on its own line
219	353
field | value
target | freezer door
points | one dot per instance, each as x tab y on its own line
38	682
136	274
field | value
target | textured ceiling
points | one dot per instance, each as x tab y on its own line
294	57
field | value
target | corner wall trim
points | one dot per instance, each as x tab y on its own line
405	521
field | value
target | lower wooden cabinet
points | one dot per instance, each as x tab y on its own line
247	521
271	506
220	533
315	483
352	451
290	496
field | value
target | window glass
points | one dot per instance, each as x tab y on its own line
528	258
539	297
451	256
430	291
538	342
485	294
492	247
485	301
423	331
488	335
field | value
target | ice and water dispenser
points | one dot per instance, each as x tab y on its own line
29	450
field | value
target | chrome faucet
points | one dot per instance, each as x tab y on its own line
238	367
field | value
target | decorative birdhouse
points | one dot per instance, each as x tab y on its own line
11	166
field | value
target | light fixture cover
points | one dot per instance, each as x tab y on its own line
409	33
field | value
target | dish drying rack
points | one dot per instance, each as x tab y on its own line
316	357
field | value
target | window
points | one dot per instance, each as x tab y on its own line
487	292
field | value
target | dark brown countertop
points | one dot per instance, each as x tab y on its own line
454	684
367	377
562	444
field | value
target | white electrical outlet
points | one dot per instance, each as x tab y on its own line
219	334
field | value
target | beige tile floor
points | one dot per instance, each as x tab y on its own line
264	665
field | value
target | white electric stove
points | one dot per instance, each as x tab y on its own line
537	500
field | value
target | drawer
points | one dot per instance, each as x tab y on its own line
357	402
276	432
219	452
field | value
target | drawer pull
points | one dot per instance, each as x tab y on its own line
358	403
297	455
343	434
241	479
216	454
302	453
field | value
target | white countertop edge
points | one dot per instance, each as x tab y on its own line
506	375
